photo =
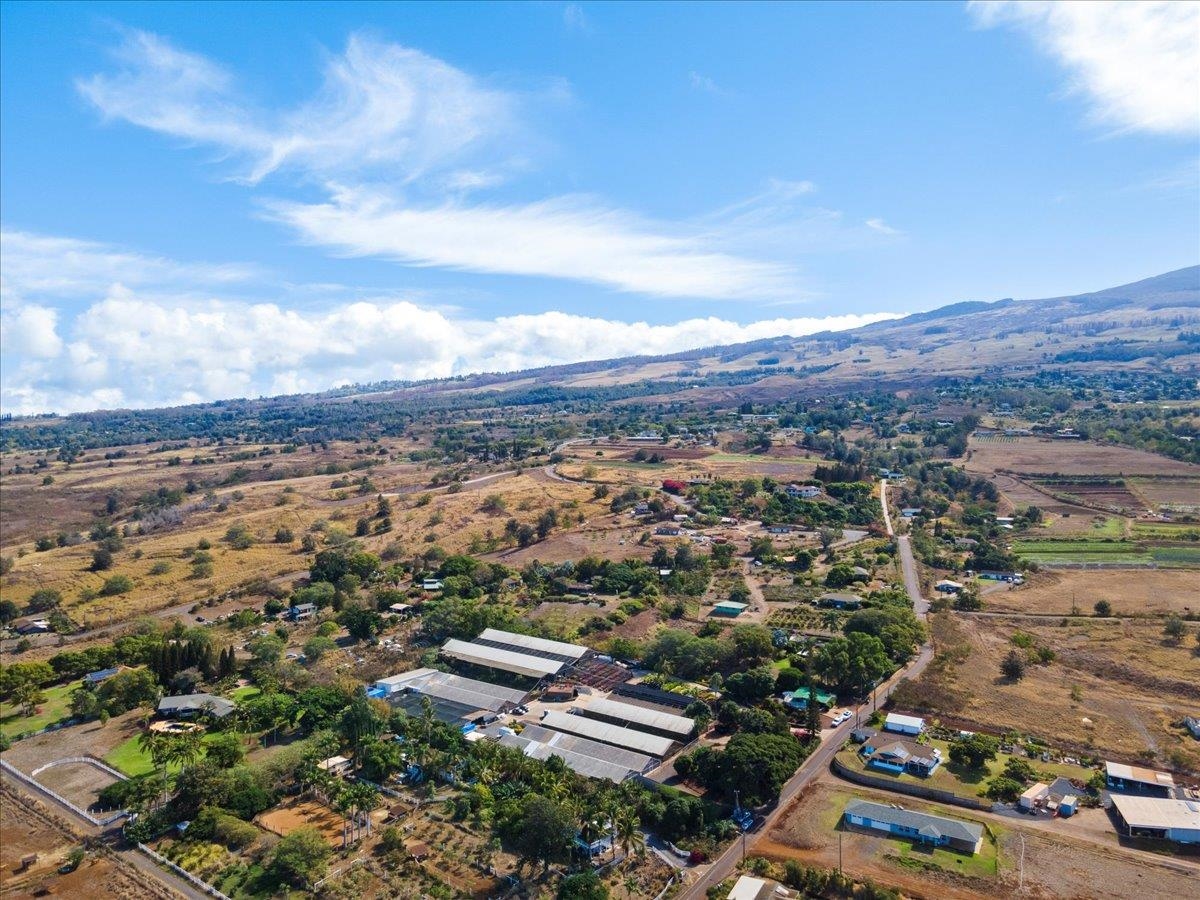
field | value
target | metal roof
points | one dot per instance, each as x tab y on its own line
952	828
1152	812
481	695
629	738
587	757
903	721
495	658
528	642
640	715
1137	773
210	703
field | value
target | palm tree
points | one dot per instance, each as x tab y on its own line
629	833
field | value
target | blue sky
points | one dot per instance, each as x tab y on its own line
204	201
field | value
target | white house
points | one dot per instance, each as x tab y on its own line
904	724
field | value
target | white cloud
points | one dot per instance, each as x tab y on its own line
404	144
567	237
707	84
44	265
134	350
382	107
881	226
575	18
1136	61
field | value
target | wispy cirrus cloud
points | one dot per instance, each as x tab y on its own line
881	226
49	266
567	237
407	146
707	84
381	106
1136	61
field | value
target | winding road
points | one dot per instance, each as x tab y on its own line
725	864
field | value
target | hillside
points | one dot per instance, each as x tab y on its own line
1149	325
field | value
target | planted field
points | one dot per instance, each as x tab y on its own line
1110	494
805	618
1110	553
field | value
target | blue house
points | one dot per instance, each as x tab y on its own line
921	828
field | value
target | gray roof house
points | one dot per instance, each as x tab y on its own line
923	828
193	704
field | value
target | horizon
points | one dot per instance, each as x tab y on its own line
395	194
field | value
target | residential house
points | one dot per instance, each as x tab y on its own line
302	611
896	756
946	586
336	765
183	706
840	601
922	828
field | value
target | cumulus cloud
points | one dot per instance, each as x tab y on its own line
1137	62
133	350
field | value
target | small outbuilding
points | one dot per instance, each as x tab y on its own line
1033	797
901	724
730	608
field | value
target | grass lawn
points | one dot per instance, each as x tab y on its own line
244	693
133	761
56	707
750	457
982	865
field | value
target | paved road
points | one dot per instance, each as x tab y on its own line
725	864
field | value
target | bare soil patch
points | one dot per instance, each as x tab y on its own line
1044	456
80	783
294	814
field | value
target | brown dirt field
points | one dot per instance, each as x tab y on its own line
1181	493
1045	456
1131	593
78	782
300	814
1131	685
1056	865
26	826
1063	518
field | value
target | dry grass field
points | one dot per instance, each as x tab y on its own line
1115	688
1144	592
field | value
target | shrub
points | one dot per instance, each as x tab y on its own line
117	584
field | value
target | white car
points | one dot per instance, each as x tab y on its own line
843	716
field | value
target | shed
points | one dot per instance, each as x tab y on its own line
102	675
730	608
1068	805
1033	796
903	724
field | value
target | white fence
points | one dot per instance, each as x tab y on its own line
182	873
38	786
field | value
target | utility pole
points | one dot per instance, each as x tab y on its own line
840	833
